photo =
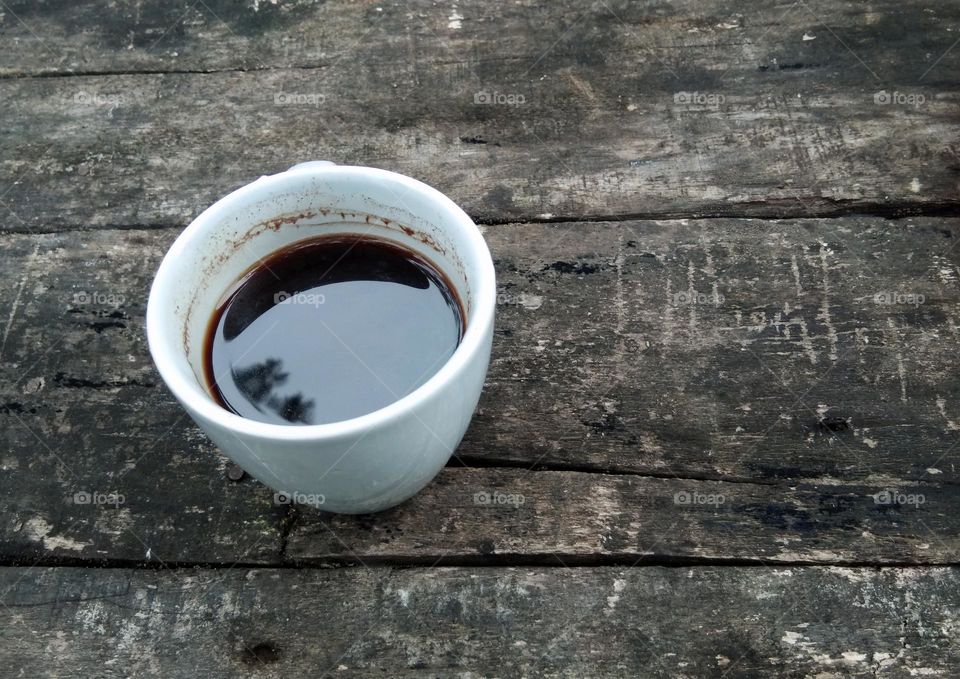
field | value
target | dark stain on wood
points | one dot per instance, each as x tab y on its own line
262	653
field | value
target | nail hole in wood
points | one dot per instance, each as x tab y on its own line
263	653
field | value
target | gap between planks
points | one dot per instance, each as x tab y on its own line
945	209
492	561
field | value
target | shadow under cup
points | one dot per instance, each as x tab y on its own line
365	463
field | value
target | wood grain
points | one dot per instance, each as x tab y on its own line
752	352
679	110
60	37
702	444
440	622
497	516
728	349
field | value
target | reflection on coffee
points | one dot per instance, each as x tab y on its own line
329	329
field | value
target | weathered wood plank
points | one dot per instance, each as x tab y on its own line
649	622
796	376
64	37
476	516
738	348
612	352
101	497
177	503
502	516
779	125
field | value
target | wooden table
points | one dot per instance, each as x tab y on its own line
722	415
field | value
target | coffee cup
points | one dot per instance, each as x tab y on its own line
370	462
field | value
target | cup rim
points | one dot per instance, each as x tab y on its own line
164	346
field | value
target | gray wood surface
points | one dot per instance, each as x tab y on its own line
502	517
516	622
745	358
628	109
719	433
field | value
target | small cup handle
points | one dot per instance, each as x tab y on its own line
310	165
300	167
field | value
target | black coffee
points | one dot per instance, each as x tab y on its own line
328	329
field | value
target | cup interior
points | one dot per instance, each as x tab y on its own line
237	232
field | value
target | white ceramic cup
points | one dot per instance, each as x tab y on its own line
363	464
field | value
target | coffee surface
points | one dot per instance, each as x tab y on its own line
329	329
